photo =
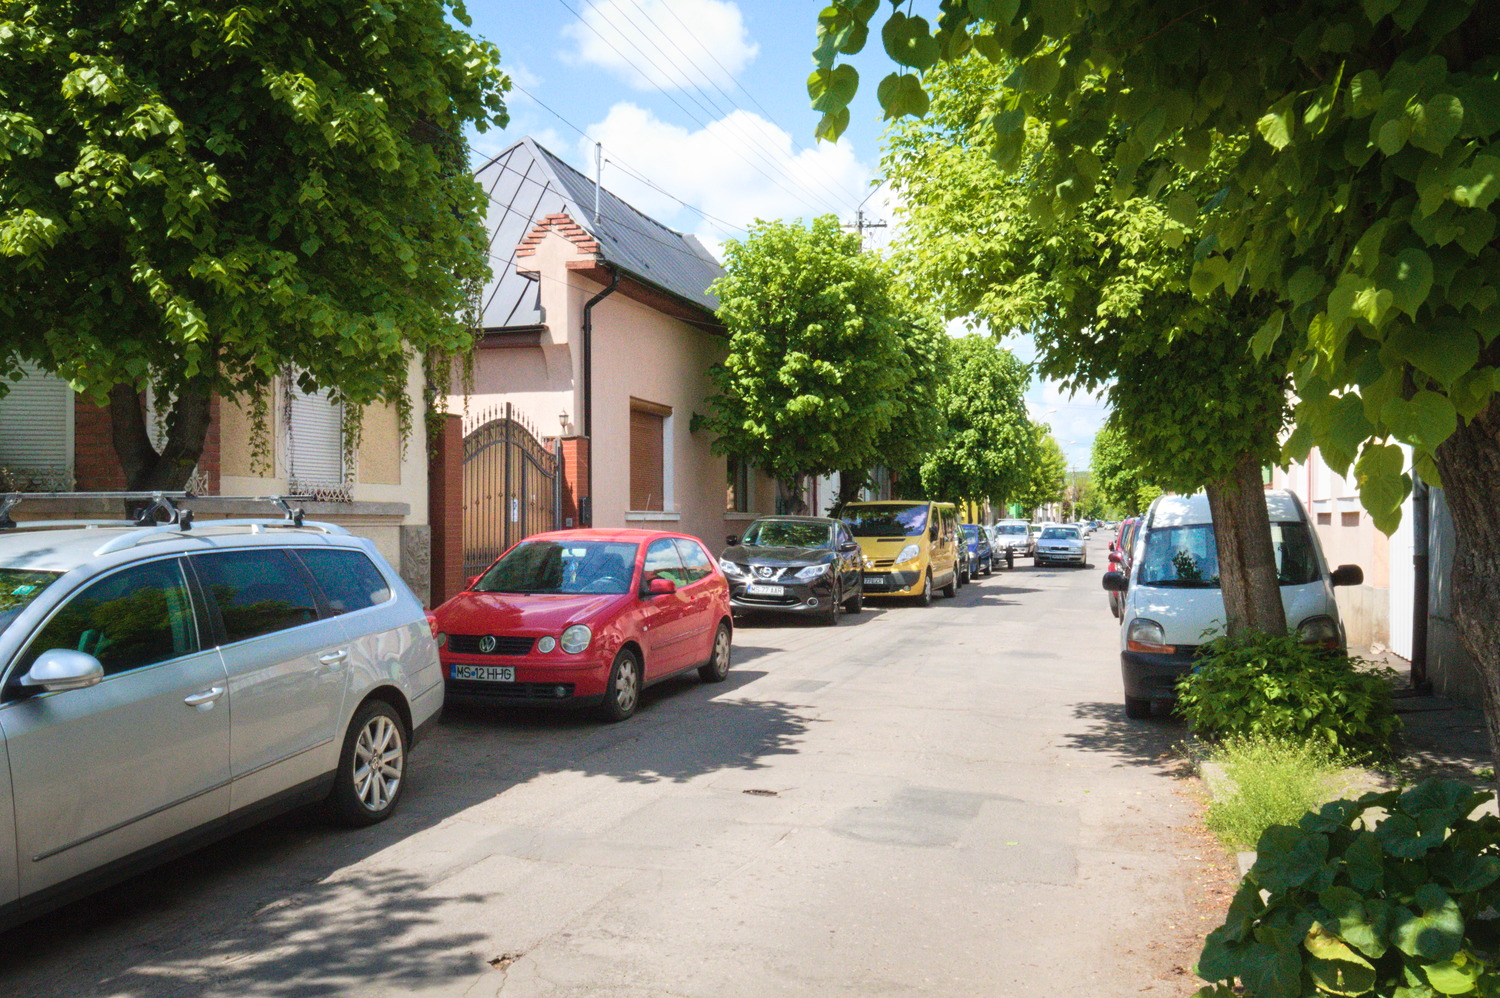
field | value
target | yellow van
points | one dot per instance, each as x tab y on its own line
909	547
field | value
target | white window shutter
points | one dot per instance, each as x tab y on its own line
315	438
36	430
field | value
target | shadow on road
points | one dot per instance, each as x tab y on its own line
292	906
764	619
1133	742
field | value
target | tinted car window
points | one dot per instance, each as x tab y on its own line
1188	556
18	587
786	534
663	562
1060	534
258	591
897	519
572	566
136	617
349	580
695	563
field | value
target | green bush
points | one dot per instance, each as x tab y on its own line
1404	909
1277	687
1275	782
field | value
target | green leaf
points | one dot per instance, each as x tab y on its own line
902	94
909	41
1477	185
1383	487
1425	421
1437	933
1276	125
1392	136
1442	117
1287	857
1363	923
1413	280
1458	976
1207	275
831	89
1265	338
832	125
1001	12
1365	93
1445	351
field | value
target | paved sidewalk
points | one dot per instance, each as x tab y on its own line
1443	738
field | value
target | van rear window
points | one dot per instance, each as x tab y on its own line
1188	557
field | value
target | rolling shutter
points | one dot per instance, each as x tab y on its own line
647	477
35	431
315	440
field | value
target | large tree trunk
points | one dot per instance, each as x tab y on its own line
1247	564
790	501
850	484
1470	464
187	428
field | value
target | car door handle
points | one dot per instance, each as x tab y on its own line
205	698
334	657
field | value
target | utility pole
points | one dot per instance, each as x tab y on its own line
860	225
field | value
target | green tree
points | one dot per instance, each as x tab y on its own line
196	195
817	357
916	427
1105	292
1362	198
1046	478
985	449
1123	485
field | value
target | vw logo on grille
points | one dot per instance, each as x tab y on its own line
765	571
486	644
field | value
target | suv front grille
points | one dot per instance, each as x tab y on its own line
468	644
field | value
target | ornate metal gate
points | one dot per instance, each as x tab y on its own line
512	486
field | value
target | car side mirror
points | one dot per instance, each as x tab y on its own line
1116	558
1115	582
60	669
849	548
661	587
1347	575
731	540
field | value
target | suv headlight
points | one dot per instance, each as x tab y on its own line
1146	635
576	638
730	569
908	553
1321	630
811	571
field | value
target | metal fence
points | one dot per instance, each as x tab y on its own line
512	486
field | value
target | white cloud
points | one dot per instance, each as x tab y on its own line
663	44
738	169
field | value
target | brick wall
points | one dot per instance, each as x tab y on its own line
575	470
95	467
445	505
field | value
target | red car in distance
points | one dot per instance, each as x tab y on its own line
1120	550
586	618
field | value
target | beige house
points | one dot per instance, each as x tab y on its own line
380	492
599	329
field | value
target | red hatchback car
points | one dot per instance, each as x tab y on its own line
586	618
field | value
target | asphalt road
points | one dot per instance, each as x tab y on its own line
935	802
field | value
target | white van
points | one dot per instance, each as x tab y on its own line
1171	599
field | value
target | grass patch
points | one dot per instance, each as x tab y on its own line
1269	781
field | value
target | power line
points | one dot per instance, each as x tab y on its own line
815	202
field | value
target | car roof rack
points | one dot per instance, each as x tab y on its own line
157	503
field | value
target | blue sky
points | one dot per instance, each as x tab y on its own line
702	108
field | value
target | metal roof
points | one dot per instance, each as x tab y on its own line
526	182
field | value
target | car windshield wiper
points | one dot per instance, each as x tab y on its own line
1182	583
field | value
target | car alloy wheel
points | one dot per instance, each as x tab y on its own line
372	766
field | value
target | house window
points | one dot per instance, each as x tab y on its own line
314	443
650	470
738	499
36	433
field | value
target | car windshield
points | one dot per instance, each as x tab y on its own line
788	534
1188	557
603	567
971	531
1060	534
18	587
1012	528
894	519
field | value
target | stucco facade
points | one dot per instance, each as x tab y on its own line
641	354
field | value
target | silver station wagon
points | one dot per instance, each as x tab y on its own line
163	685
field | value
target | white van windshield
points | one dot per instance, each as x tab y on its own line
1187	557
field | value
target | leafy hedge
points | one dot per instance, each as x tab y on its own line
1277	687
1406	908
